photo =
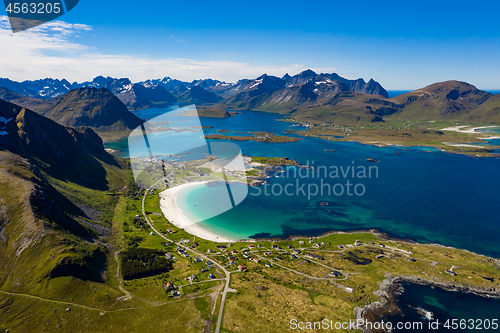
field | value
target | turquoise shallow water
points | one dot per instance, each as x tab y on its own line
493	130
420	193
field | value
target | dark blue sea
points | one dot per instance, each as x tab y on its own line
394	93
471	313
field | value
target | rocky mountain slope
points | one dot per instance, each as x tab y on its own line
449	101
97	108
198	95
42	236
284	94
139	97
54	147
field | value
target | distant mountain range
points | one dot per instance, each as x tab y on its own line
307	96
136	96
160	92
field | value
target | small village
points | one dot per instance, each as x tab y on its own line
237	258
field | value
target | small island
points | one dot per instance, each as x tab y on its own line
257	136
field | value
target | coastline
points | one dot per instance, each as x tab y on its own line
178	219
387	288
369	312
175	215
473	150
470	130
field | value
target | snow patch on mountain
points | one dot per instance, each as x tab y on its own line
256	84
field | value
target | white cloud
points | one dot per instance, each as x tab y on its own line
46	51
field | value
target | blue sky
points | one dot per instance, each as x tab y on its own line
403	45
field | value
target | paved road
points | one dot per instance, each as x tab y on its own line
306	275
201	255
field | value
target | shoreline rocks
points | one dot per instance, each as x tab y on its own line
388	287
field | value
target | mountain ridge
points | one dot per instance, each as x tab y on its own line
138	97
94	107
38	159
50	88
53	146
448	100
308	95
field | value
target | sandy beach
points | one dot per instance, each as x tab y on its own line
470	130
463	145
175	215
